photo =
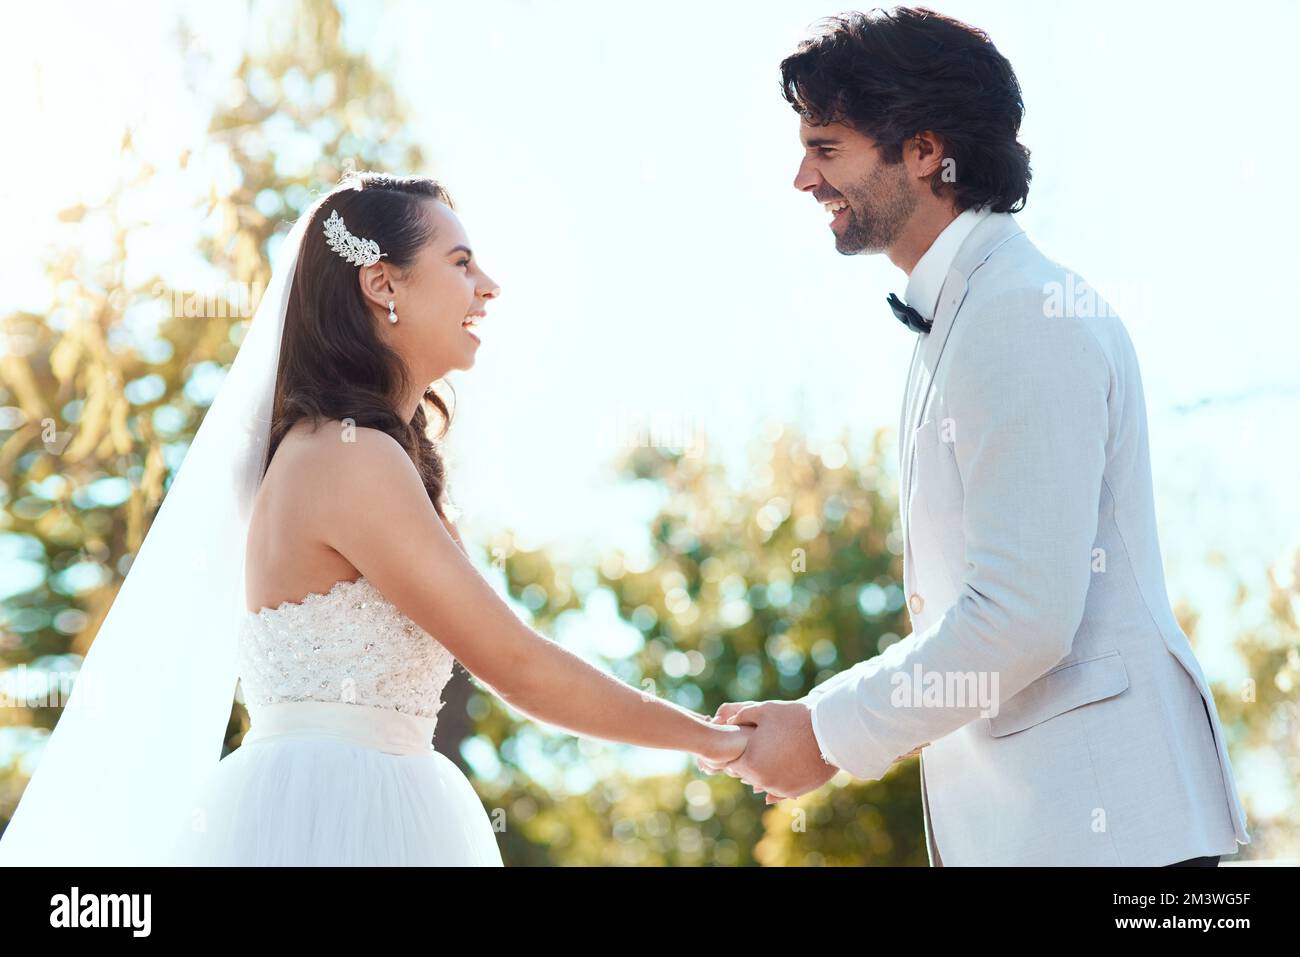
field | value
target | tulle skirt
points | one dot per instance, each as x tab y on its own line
326	784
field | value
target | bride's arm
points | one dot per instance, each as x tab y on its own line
379	517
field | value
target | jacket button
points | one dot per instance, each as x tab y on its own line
915	603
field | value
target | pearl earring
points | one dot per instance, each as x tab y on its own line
392	311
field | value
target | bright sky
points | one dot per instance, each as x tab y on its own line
625	173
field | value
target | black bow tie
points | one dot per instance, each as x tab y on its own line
908	316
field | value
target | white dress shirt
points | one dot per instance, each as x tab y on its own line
927	277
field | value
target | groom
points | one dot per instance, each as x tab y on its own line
1060	713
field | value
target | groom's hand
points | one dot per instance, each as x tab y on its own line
783	757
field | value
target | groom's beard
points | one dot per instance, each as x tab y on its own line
879	208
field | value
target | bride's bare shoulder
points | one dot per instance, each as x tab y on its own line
342	454
364	486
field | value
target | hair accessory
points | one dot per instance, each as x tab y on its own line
359	252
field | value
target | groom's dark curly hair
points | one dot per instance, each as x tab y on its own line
891	74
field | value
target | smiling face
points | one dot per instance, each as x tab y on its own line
439	300
870	201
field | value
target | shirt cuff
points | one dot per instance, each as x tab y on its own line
842	735
817	733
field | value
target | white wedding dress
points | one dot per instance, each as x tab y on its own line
338	767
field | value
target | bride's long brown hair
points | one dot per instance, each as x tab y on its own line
333	363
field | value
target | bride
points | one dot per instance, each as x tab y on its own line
303	549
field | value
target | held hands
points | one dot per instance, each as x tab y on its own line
725	743
781	757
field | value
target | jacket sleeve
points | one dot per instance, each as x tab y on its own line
1028	395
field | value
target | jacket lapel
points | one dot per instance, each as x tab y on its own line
995	230
905	414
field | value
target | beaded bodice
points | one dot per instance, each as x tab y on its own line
349	644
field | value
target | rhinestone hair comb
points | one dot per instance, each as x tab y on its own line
358	251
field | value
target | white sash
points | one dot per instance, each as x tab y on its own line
384	729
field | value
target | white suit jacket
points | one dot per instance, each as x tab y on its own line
1032	566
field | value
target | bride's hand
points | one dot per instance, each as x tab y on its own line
724	744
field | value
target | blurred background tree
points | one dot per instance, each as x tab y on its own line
1261	713
753	592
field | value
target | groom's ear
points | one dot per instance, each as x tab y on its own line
923	154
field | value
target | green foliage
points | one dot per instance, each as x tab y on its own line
1261	713
756	589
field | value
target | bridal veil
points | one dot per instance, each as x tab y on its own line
145	721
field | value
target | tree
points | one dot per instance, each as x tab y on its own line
753	592
1261	713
